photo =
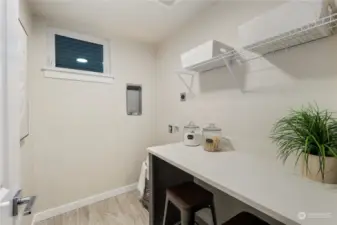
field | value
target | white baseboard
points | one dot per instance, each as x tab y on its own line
81	203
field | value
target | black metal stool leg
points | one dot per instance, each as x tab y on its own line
179	223
187	217
165	210
212	207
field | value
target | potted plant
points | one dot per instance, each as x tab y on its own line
311	135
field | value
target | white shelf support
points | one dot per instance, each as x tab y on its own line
190	73
228	63
235	78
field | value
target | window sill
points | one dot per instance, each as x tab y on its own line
77	75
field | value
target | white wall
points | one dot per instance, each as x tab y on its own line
83	142
301	75
25	15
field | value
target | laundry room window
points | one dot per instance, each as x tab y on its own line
75	53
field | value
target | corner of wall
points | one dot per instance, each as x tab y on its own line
25	15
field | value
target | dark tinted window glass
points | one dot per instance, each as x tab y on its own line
76	54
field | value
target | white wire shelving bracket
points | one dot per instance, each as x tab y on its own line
187	72
227	62
308	33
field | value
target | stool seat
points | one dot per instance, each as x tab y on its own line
245	218
189	196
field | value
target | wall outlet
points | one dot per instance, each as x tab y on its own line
170	129
173	129
183	97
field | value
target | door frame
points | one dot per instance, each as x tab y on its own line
3	107
9	105
11	99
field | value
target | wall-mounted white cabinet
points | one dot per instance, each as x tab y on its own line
205	57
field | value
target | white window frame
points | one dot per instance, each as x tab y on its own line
76	74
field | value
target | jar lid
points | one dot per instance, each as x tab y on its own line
191	125
212	127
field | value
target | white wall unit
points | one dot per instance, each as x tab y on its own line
205	57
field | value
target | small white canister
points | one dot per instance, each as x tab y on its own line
192	135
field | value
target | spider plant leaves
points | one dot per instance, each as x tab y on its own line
307	131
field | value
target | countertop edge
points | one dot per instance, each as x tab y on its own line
277	216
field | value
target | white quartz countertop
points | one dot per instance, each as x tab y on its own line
257	181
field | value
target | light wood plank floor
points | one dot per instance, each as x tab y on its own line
121	210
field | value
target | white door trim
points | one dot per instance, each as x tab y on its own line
10	110
2	92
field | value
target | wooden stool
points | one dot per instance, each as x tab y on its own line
245	218
189	198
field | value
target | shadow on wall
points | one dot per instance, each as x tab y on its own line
222	79
314	60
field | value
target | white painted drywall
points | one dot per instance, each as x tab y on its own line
83	142
304	74
25	15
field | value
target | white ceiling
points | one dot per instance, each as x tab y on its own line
144	20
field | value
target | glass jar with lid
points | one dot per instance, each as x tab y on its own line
211	137
192	134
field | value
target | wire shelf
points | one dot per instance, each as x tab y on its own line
316	30
324	27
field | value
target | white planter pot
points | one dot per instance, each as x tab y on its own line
312	170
